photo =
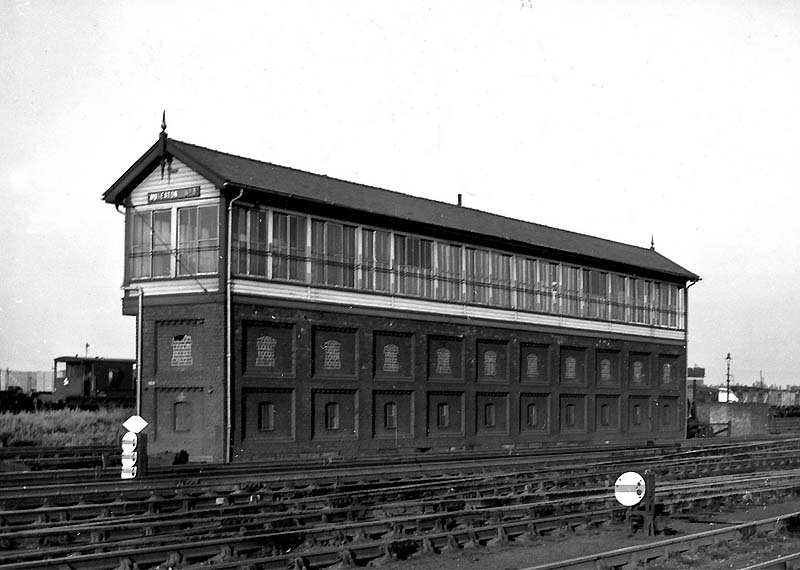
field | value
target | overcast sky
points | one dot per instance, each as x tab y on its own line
621	119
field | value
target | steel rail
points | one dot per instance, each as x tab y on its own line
669	547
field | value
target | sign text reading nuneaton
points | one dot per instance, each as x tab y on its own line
178	194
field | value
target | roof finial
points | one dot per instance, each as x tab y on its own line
166	158
652	242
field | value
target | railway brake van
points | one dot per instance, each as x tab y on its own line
289	314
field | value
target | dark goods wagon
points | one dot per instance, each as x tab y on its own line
82	382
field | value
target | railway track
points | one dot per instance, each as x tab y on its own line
358	516
37	459
745	535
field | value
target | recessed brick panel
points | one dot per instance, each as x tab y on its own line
491	413
573	366
607	370
668	409
335	352
346	404
534	364
392	414
492	364
269	350
607	412
638	370
445	413
393	356
534	412
639	414
269	414
668	371
445	358
572	412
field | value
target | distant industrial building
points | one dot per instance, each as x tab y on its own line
27	381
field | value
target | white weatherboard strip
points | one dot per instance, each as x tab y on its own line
178	287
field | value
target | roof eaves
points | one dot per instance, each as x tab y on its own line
123	183
148	162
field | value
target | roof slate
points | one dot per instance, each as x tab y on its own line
222	167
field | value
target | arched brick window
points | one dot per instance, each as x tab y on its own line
636	415
605	415
333	355
266	416
181	350
490	363
638	369
569	415
490	415
390	415
571	368
666	373
443	361
605	370
332	415
391	361
532	366
532	415
442	415
266	351
182	416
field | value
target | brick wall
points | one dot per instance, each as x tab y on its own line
484	378
183	378
746	419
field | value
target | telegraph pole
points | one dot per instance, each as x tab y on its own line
728	380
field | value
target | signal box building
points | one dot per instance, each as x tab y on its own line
289	314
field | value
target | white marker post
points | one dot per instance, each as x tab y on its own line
134	448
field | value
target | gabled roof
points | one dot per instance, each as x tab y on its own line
223	169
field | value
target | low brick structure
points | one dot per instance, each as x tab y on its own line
745	419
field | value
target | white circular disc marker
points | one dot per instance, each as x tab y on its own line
629	489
